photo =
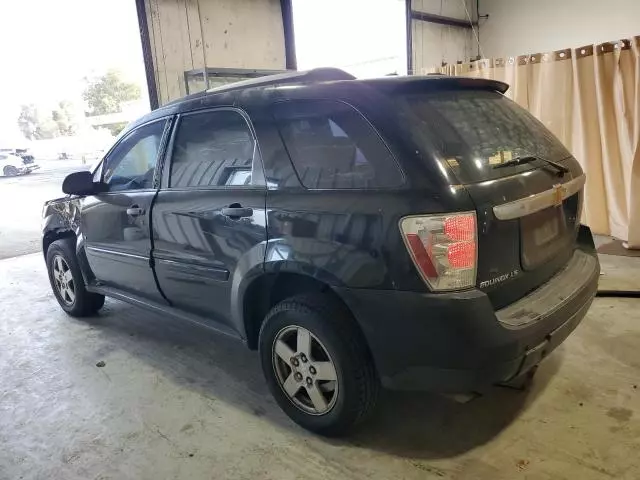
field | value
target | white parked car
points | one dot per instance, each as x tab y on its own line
12	165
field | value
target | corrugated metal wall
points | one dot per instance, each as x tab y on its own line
432	43
191	34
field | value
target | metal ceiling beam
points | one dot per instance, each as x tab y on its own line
291	62
147	56
440	20
407	12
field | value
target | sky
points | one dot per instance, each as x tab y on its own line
48	47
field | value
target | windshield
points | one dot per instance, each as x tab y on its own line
475	131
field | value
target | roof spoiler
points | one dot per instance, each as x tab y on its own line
438	82
483	83
287	78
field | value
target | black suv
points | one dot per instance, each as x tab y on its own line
415	233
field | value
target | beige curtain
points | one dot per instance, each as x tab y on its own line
589	97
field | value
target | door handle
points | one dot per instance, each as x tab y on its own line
234	212
135	211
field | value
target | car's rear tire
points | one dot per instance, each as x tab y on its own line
67	282
10	171
317	364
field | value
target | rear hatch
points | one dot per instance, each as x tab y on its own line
527	208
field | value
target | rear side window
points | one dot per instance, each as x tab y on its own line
214	148
475	132
332	146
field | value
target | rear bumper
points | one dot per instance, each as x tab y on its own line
456	342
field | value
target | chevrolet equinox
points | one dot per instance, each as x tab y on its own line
414	233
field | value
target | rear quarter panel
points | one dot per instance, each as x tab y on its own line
340	238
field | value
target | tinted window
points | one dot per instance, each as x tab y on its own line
131	165
212	149
332	146
476	131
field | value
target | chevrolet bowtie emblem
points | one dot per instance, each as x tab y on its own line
558	193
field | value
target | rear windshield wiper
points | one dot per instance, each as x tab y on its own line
531	158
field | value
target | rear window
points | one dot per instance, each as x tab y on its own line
332	146
476	131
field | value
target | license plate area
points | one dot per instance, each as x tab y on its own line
544	234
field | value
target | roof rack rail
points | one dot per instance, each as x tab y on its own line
306	76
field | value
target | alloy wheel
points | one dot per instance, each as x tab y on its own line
63	279
304	370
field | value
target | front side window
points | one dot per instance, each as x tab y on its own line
131	165
332	146
214	148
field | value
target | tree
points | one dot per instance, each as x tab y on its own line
34	125
65	118
116	128
28	121
105	94
47	128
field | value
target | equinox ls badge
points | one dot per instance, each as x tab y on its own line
499	279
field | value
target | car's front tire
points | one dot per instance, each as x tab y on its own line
10	171
67	282
317	365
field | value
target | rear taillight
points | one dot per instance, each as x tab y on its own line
443	248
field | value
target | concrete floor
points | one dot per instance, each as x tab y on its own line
20	231
176	402
619	273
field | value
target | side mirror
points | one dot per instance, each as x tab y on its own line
80	183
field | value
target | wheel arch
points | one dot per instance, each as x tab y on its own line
270	288
54	230
51	235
